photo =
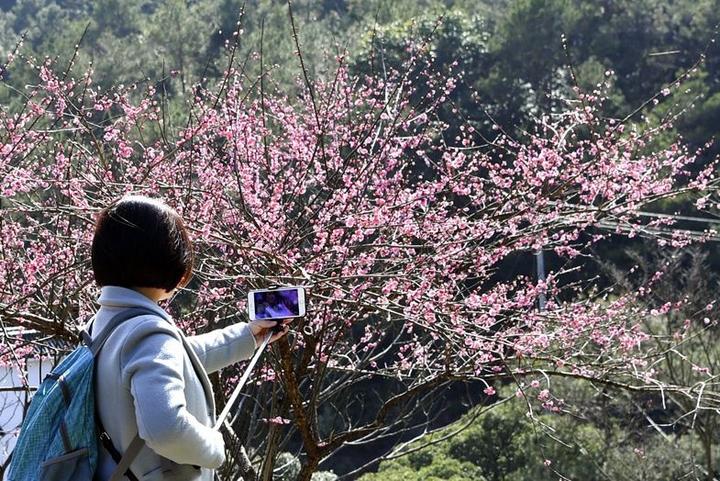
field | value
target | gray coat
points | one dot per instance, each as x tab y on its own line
151	379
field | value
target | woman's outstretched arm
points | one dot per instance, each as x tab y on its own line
222	347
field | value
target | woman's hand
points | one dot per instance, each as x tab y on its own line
261	327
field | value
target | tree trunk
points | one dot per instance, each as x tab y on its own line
308	468
708	445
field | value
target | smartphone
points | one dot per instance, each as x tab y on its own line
276	303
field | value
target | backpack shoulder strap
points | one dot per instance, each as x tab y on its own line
96	344
123	466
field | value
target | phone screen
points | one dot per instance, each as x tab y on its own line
276	304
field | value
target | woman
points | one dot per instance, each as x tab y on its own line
151	380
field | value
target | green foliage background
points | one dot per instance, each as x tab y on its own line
505	444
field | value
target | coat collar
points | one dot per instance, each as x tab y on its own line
118	296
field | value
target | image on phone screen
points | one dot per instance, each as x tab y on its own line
276	304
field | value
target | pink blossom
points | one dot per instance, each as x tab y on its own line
276	420
403	266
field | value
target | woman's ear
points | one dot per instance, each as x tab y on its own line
169	294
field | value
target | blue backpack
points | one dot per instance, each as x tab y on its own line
59	436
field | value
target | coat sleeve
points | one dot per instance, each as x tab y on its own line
222	347
152	365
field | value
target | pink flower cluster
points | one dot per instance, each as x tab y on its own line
398	232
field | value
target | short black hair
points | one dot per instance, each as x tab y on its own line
140	241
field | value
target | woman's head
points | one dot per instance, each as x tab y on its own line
140	241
